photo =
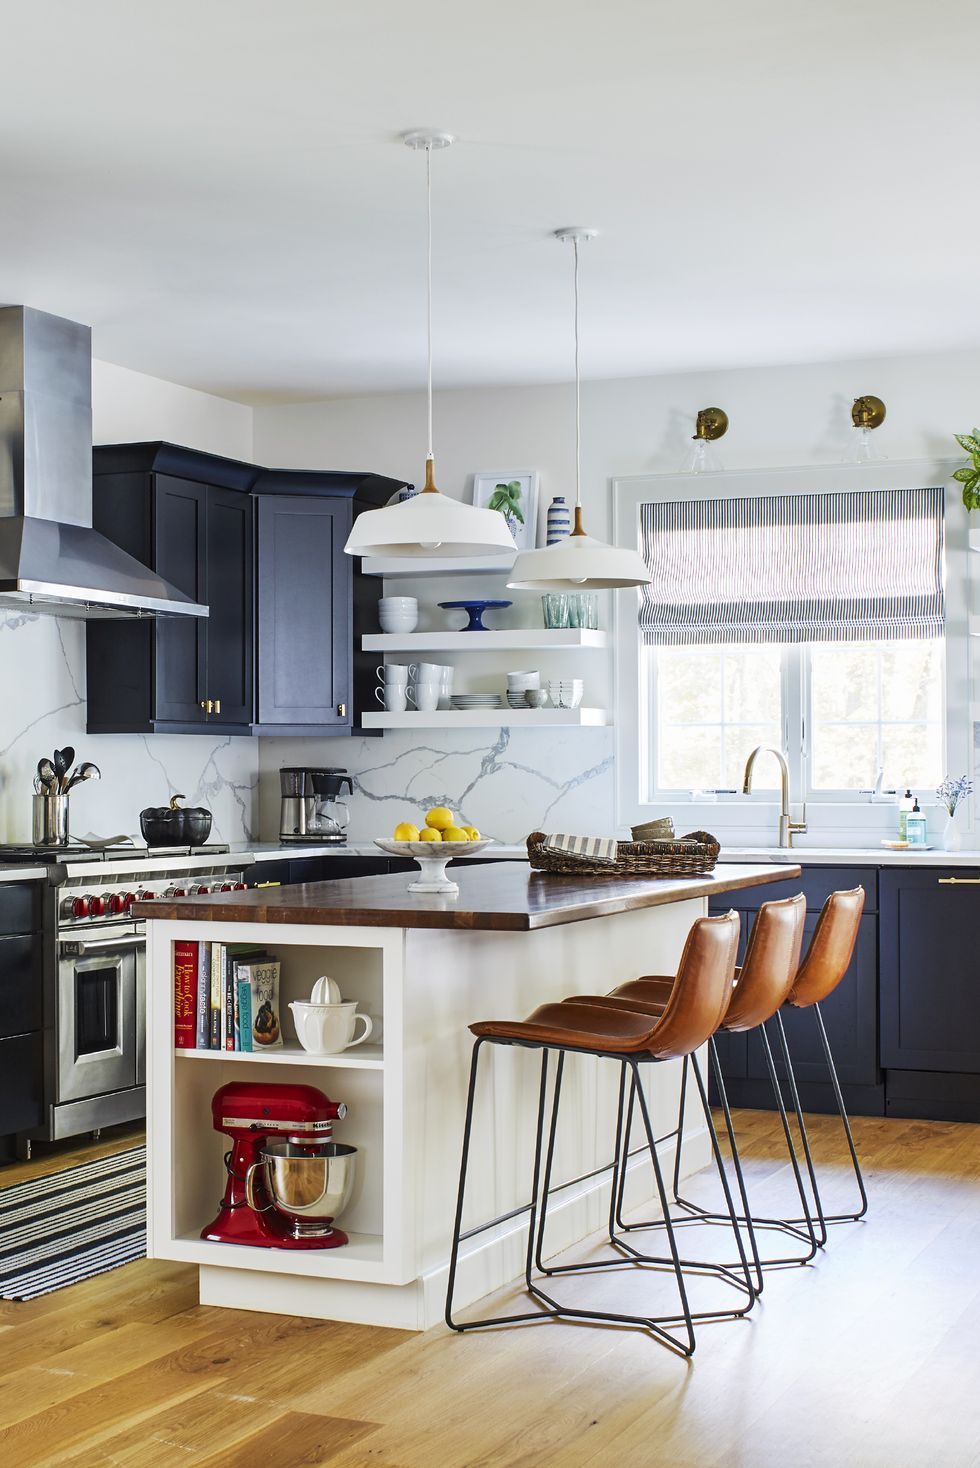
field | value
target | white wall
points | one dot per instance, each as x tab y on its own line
42	659
784	415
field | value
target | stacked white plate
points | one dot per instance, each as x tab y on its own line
516	700
476	700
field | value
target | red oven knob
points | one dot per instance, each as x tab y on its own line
145	896
239	887
96	906
226	886
117	903
75	907
177	892
203	891
128	899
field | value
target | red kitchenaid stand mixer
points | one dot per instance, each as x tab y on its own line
286	1178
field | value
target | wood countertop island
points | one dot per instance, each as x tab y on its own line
503	897
422	968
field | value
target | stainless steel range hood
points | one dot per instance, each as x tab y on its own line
51	560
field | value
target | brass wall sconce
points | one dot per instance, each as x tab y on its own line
867	414
711	424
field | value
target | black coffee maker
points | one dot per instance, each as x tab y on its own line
311	807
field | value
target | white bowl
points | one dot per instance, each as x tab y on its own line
398	621
398	601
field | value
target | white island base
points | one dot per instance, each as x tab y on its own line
406	1091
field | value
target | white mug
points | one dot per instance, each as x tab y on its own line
325	1029
393	673
392	697
425	696
428	672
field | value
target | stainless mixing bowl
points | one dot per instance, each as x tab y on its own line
309	1186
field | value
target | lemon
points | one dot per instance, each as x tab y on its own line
429	833
441	818
405	831
455	833
472	833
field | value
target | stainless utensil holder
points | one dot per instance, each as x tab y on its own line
50	820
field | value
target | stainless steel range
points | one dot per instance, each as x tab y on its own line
94	967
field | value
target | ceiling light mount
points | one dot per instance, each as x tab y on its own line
575	234
427	137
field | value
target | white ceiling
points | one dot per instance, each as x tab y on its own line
217	187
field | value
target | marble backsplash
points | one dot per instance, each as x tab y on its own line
42	705
505	781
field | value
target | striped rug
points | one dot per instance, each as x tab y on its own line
72	1225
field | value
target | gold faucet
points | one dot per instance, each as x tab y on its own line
787	828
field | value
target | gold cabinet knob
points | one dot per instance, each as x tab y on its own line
342	710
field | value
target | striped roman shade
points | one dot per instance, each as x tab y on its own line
849	567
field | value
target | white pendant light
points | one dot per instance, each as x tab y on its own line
578	563
430	523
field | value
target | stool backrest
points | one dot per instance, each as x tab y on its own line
830	950
702	988
770	965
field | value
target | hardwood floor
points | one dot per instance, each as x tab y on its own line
867	1358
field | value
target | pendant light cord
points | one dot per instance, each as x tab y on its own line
428	290
578	397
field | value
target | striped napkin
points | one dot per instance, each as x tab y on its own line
594	848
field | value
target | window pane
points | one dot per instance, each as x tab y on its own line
714	705
876	706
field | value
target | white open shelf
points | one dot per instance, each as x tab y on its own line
579	718
516	639
394	568
362	1057
361	1259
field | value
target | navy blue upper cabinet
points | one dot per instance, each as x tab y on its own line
280	650
305	653
930	970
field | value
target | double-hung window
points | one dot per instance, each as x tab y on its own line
812	623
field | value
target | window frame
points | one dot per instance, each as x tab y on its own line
840	816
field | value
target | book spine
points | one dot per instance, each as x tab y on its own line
202	1036
215	996
185	994
228	1027
244	987
236	1008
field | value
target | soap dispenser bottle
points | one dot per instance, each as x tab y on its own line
915	826
905	805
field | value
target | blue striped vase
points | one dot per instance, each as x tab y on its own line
559	520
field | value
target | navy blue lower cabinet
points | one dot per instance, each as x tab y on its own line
850	1013
930	992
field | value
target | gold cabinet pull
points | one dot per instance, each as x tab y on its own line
216	706
342	710
958	881
207	705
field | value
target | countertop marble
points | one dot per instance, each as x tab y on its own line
507	897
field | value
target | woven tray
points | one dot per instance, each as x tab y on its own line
692	855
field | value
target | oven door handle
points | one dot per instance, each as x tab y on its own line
93	945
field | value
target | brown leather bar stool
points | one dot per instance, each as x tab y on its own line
697	1004
762	984
827	960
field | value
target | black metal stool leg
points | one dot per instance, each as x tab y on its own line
838	1094
549	1162
531	1208
804	1137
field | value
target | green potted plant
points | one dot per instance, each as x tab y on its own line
969	474
507	499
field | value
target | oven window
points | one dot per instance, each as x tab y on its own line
96	1011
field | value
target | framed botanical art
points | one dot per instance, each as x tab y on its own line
514	492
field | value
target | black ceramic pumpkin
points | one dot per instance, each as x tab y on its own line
175	825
